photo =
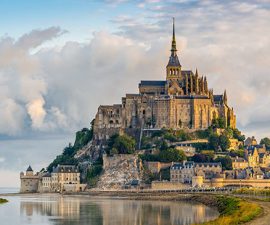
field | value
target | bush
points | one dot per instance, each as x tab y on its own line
124	144
2	200
172	155
266	142
224	142
226	162
206	157
93	174
213	142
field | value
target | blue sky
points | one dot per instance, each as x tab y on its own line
59	60
79	17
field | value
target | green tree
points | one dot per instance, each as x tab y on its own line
238	135
224	142
213	141
203	157
266	142
218	123
124	144
172	155
226	162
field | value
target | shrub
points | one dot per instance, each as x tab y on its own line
124	144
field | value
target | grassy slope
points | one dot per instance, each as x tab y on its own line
234	211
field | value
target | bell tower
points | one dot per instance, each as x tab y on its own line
173	68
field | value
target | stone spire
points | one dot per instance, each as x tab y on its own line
205	85
174	61
173	68
173	49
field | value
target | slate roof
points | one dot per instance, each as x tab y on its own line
65	169
177	166
174	61
218	98
47	175
152	83
208	164
29	169
188	72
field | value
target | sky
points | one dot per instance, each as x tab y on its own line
61	59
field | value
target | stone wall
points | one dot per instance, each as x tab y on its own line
29	183
120	170
220	182
166	185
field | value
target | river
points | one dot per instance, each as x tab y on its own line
54	209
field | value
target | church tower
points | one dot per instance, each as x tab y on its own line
173	68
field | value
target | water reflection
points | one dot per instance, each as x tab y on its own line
62	210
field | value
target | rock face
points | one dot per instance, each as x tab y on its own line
120	170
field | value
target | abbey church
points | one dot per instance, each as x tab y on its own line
182	101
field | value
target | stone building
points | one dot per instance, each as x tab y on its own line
184	172
63	178
182	101
29	181
239	163
257	156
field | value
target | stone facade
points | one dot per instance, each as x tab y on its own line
29	181
239	163
64	178
155	167
182	101
184	172
257	156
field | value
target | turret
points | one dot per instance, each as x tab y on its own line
225	98
197	89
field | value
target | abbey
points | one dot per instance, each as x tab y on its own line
182	101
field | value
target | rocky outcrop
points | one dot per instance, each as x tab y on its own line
120	170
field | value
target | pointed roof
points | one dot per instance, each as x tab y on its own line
173	49
174	61
29	169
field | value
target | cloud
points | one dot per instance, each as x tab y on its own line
55	89
23	84
38	37
37	113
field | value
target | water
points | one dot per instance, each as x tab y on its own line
9	190
54	209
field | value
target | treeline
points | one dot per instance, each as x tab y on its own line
67	157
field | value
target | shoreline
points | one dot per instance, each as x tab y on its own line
233	210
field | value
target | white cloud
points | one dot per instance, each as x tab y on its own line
56	89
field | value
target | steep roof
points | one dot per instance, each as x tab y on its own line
65	169
152	83
29	169
174	61
218	98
